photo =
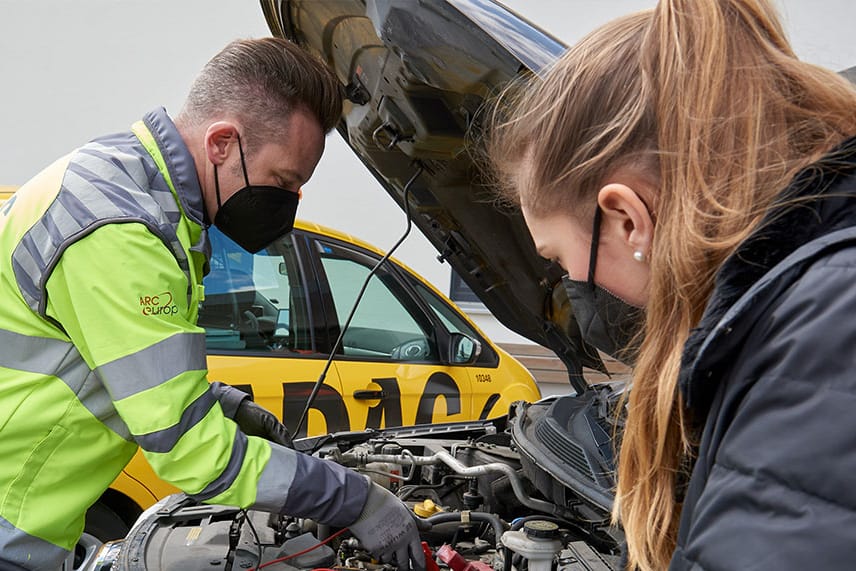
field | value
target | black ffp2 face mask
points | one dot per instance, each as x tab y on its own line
605	320
255	215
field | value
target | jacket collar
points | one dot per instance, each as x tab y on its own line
179	162
830	187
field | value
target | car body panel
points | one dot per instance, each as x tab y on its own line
395	294
412	394
419	76
138	482
6	193
281	385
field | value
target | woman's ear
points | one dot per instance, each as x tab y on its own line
218	141
626	219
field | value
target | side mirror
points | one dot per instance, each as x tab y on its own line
463	349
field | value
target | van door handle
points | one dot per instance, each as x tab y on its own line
369	395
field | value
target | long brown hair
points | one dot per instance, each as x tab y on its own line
706	97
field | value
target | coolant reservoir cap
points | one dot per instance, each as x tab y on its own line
541	529
426	509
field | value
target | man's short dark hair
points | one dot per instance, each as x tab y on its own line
261	82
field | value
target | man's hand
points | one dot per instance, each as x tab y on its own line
257	421
387	529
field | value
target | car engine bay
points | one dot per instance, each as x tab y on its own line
530	491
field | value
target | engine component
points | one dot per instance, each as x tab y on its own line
442	456
465	517
440	472
321	556
566	447
472	498
538	543
457	563
426	509
430	564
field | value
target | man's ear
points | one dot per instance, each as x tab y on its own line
219	139
626	218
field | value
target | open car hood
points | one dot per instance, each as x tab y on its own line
417	73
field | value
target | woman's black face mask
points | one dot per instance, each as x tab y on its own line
255	215
605	320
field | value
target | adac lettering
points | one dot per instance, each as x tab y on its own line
330	403
160	304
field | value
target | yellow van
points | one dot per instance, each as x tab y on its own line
409	356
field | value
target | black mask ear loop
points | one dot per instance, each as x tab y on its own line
243	164
217	186
207	219
217	178
595	240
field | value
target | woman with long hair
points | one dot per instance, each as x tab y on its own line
698	181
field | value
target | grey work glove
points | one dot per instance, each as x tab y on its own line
258	421
387	529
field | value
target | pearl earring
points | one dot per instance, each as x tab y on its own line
639	256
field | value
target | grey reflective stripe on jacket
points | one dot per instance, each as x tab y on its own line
165	440
61	359
17	546
154	365
103	184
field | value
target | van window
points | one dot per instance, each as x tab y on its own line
388	324
254	302
453	321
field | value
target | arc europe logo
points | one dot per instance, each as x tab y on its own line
160	304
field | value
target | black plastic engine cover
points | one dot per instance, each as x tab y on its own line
566	448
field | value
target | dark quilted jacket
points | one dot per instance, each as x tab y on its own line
770	377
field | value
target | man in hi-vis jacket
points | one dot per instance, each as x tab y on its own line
89	371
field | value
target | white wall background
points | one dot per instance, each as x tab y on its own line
70	71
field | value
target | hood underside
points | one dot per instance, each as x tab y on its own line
418	75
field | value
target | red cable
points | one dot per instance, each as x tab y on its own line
307	550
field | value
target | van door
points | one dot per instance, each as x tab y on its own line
390	363
261	334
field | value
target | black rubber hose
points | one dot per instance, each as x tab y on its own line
506	559
493	520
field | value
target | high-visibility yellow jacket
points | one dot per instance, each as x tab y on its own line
101	263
